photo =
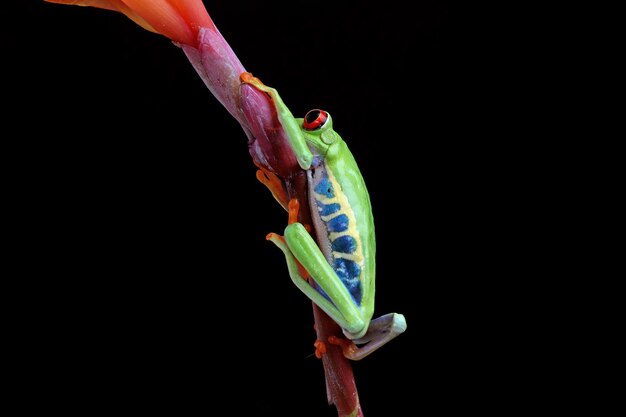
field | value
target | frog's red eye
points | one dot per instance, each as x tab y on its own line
315	119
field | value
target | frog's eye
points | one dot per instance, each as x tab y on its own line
315	119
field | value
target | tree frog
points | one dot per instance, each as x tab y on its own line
342	267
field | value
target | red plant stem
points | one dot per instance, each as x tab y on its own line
340	383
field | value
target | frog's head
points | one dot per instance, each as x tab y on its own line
317	128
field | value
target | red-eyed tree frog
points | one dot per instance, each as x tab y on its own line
342	267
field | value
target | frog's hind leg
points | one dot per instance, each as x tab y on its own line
299	274
305	262
380	331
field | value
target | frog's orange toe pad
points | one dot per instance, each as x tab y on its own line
320	348
248	78
274	236
347	346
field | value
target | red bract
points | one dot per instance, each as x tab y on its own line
179	20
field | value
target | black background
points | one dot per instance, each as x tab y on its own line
137	194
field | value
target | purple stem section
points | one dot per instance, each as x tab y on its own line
340	383
220	69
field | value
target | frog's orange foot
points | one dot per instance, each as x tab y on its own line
274	184
275	237
294	210
320	348
347	346
248	78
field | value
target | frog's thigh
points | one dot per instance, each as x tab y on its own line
344	311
